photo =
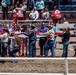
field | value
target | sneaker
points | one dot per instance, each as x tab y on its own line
14	61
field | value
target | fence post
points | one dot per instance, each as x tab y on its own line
66	66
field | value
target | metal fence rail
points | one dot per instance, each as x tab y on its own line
42	58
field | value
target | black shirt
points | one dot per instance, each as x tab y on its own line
66	36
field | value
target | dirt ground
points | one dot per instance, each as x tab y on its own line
40	66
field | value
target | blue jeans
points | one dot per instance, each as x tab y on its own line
32	49
0	47
50	45
4	48
55	43
14	50
65	49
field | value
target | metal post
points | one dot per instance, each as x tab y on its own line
66	66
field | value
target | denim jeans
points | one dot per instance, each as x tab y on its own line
32	49
55	43
14	50
65	49
50	45
0	47
4	49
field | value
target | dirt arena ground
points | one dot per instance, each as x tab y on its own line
39	66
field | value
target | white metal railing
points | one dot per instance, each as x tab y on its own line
26	20
42	58
34	20
6	20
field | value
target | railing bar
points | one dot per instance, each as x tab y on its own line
29	58
66	66
33	20
35	58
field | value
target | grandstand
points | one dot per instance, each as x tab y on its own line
68	10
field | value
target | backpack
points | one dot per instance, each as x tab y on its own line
19	42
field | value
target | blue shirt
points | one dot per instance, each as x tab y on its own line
31	35
40	4
55	29
43	30
1	28
8	2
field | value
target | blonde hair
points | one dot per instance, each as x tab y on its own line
67	29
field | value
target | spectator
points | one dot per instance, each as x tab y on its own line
57	15
45	14
40	5
42	40
20	1
17	3
33	1
19	12
18	29
4	38
65	21
65	41
51	5
42	16
24	9
23	28
20	9
30	5
8	27
50	41
34	15
4	8
32	41
8	2
56	10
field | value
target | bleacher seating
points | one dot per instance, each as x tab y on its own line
62	8
46	2
68	7
73	7
68	15
74	15
73	2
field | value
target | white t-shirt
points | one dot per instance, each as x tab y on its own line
57	11
35	15
4	37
